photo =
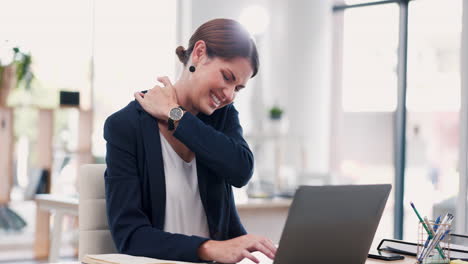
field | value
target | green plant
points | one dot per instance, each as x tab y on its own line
22	62
276	112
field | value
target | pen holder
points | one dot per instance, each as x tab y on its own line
436	249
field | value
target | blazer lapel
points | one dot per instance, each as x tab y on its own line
155	165
203	188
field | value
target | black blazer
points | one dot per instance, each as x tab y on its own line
135	183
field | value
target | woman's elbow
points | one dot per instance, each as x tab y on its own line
241	175
124	246
119	242
128	251
121	238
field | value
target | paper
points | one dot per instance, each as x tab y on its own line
125	259
458	262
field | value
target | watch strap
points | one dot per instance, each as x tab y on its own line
170	124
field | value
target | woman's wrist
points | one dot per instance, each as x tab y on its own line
204	251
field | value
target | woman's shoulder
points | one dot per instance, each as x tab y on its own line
127	114
122	122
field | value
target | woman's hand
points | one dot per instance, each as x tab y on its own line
236	249
159	100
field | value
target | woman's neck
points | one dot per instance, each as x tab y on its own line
182	89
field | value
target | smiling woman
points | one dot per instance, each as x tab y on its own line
174	154
230	51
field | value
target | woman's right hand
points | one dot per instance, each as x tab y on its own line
236	249
158	101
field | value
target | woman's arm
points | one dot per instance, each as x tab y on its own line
226	152
236	228
131	228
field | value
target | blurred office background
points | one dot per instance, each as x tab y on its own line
349	92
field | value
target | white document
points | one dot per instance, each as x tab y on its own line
125	259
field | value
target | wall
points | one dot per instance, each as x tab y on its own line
295	54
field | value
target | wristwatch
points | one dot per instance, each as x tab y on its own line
175	114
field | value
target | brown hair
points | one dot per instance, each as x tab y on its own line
224	38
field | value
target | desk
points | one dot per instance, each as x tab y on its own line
59	206
260	216
249	211
407	260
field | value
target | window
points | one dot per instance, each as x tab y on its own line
364	120
432	136
370	44
369	86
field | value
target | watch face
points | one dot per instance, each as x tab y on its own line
175	113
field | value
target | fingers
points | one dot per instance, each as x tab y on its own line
269	245
264	249
155	88
247	254
156	101
138	96
168	89
165	80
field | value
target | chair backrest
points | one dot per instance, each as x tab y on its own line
95	236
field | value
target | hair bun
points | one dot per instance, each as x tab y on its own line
181	53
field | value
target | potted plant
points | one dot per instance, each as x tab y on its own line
277	125
15	71
275	113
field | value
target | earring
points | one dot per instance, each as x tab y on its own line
192	68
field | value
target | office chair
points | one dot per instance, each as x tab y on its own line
94	235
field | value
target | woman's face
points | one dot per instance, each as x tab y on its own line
216	82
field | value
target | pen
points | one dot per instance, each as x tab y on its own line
427	239
427	229
446	233
421	220
434	243
429	225
436	225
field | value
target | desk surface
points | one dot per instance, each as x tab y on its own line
261	203
54	201
407	260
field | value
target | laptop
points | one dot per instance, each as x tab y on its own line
331	224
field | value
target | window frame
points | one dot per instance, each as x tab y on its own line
401	111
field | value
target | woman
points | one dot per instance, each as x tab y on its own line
174	153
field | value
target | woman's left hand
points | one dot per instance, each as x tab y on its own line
159	100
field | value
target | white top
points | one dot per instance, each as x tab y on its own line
184	210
